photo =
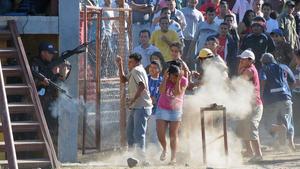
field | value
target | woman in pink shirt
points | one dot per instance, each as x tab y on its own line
169	110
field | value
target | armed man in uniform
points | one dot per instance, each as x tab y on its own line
47	93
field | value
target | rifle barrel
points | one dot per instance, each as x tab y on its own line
51	83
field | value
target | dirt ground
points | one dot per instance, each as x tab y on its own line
272	160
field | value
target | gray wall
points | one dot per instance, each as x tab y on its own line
68	39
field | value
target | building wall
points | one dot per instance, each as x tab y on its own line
68	39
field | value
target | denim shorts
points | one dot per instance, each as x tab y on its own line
168	115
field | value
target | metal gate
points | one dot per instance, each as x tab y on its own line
104	117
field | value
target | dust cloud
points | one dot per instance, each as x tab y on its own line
236	96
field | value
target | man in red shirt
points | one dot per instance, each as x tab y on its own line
210	3
223	30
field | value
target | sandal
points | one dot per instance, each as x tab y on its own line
172	162
163	156
246	154
256	159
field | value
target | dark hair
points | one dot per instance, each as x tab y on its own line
223	2
297	53
161	58
228	16
163	18
159	55
212	38
157	63
175	62
145	31
224	23
136	56
210	9
177	45
246	21
274	15
266	4
173	69
164	9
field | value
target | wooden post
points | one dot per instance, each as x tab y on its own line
203	136
85	81
122	85
213	107
6	126
98	80
225	134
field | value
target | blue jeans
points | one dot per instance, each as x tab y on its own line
280	112
152	135
137	126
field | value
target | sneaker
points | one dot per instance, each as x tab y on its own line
131	162
163	156
255	159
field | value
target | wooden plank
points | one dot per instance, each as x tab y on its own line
29	145
17	89
23	126
8	53
9	71
29	163
5	35
20	108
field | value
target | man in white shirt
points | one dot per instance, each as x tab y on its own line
193	17
176	14
270	23
256	7
204	30
241	6
224	10
145	49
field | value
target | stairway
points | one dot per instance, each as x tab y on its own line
27	143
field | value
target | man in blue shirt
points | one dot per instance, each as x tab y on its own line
278	113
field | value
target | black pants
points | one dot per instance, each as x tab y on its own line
52	122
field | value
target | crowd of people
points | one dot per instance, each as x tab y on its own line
172	39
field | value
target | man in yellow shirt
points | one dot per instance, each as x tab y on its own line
164	37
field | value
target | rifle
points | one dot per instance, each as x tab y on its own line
68	53
51	83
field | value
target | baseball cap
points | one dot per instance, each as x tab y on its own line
46	46
247	54
267	58
277	32
205	53
290	3
259	21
